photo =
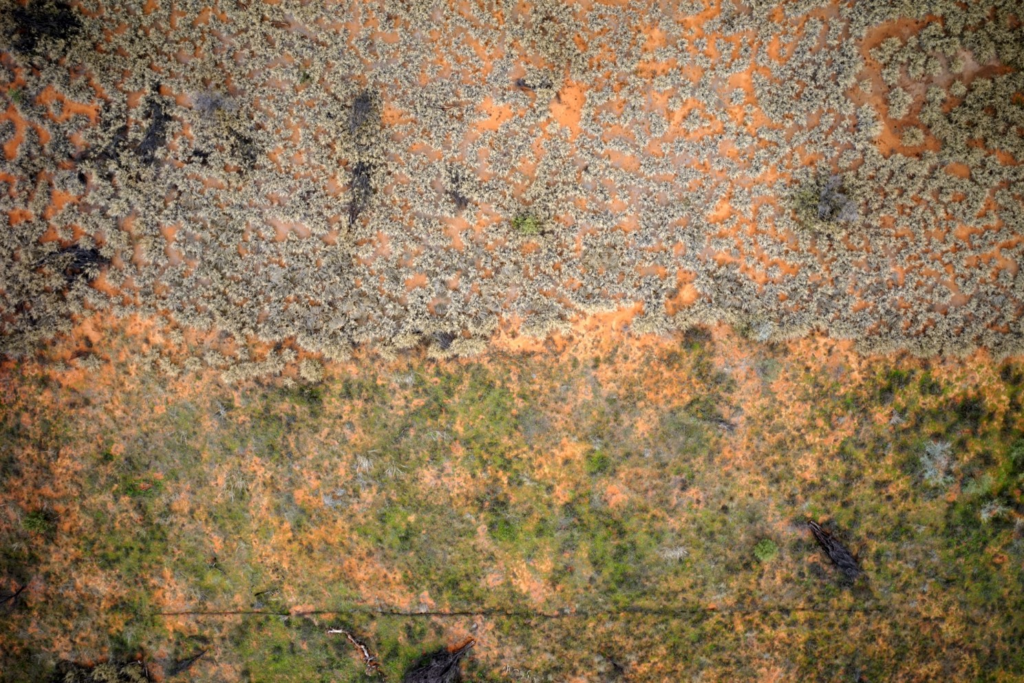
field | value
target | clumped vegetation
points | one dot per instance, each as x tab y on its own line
937	463
42	20
298	187
109	672
526	225
40	522
571	511
766	550
824	204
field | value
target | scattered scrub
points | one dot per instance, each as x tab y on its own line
344	285
424	473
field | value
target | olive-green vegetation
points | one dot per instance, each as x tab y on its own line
526	225
641	510
766	550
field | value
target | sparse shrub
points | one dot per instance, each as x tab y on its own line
504	530
1016	455
1012	475
895	378
899	103
311	396
929	386
756	329
768	369
824	204
1011	375
674	554
766	550
141	488
40	522
993	509
696	338
913	137
597	462
937	463
526	224
393	471
970	410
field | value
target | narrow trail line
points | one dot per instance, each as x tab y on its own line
533	614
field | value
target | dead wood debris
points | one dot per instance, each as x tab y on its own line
373	667
836	552
442	666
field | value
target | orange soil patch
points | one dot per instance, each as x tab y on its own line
567	107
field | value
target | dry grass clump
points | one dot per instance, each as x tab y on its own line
311	370
913	137
283	179
937	463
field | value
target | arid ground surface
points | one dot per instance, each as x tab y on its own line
550	325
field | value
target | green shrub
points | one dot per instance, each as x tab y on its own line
40	522
504	530
141	488
766	550
597	462
526	224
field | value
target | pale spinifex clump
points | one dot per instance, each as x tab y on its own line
311	177
311	370
937	463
